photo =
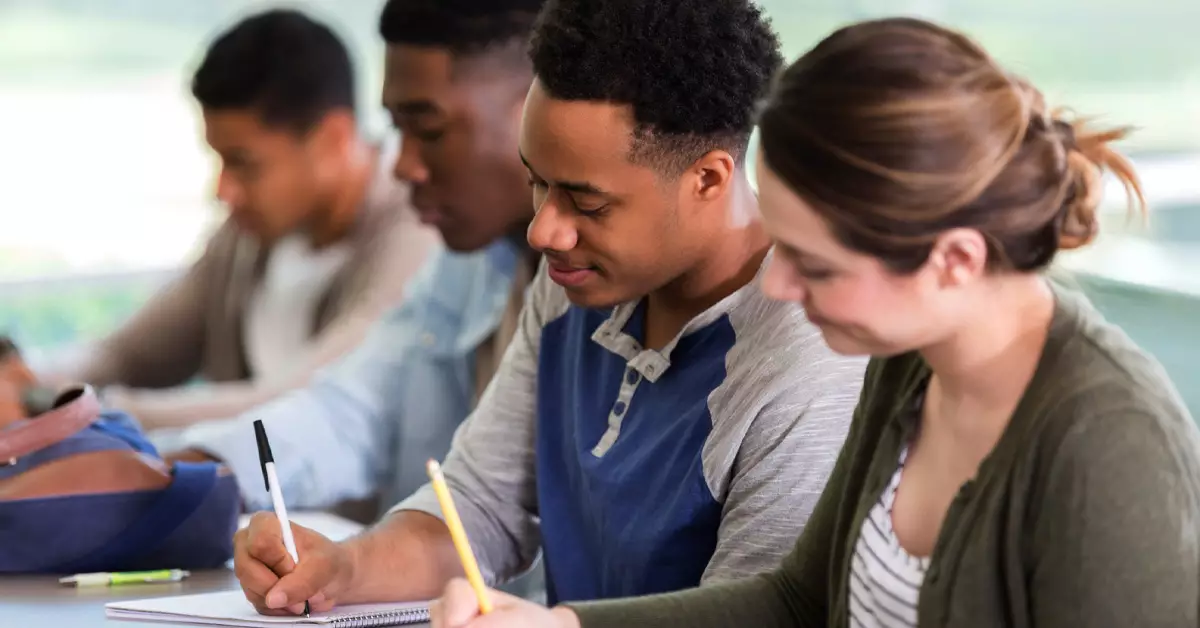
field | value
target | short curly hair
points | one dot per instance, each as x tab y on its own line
465	27
693	71
287	67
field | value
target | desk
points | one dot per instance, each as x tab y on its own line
29	602
39	601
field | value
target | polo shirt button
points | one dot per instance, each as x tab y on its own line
619	408
632	377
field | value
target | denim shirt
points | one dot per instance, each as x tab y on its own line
367	424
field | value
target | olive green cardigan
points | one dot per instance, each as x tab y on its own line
1086	513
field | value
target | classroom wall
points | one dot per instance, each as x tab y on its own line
1163	322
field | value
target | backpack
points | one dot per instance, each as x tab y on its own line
82	490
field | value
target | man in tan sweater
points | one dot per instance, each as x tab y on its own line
455	80
319	241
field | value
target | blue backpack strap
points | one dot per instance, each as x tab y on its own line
123	427
190	485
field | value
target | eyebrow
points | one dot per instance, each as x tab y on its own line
804	256
579	187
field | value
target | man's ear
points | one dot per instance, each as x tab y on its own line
330	143
711	175
334	135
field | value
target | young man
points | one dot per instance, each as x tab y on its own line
320	239
455	81
657	422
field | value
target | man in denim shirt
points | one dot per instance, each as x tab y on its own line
455	83
657	423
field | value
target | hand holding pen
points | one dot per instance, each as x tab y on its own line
265	560
271	479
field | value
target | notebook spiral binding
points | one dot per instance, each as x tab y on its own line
388	618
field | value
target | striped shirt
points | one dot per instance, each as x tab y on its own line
885	580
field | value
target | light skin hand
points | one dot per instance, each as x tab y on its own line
459	608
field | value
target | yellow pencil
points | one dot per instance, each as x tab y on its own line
459	536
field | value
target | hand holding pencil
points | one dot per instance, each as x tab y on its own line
466	601
459	535
459	608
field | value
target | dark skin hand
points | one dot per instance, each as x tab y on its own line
263	567
406	556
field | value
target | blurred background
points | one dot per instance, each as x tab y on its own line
107	185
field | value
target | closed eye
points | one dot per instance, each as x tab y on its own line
803	265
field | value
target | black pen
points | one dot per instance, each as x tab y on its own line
271	479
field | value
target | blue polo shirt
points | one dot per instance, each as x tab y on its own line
639	471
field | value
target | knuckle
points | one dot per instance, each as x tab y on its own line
260	545
260	521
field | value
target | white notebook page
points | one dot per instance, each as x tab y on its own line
230	608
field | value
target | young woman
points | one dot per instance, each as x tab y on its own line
1014	459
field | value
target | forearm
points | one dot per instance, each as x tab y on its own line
331	439
184	406
409	556
758	602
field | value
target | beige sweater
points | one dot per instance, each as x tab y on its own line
194	326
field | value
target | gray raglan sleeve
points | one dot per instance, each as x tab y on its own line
490	467
776	438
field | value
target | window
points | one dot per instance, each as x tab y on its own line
102	142
1136	64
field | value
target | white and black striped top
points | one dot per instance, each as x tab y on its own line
885	580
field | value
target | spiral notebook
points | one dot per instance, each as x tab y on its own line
230	608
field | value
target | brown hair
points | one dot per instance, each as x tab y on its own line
896	130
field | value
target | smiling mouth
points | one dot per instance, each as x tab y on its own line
569	276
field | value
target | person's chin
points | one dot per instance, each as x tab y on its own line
583	299
593	297
843	343
249	224
464	241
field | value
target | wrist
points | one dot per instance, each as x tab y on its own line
347	583
566	617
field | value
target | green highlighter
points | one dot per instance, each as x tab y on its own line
105	579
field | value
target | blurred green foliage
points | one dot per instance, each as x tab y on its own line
48	322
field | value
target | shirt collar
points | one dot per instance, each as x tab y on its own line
490	291
652	364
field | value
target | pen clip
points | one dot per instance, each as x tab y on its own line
264	450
